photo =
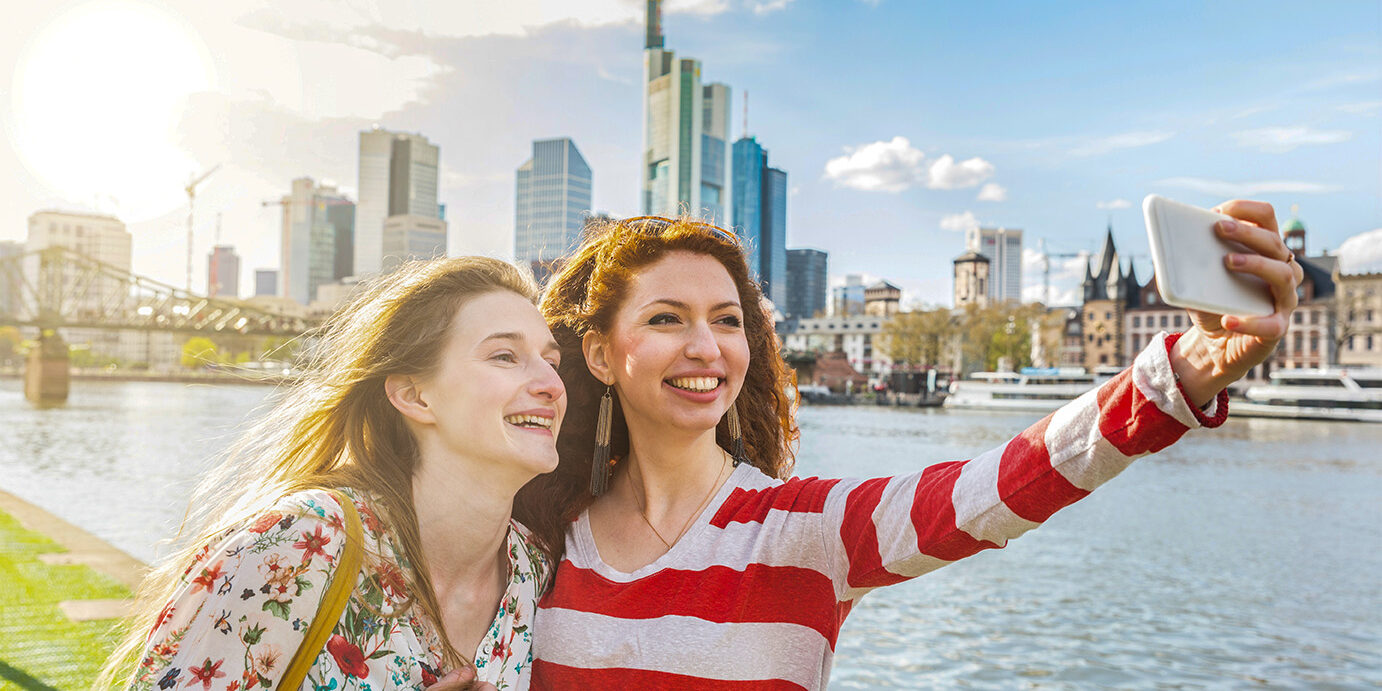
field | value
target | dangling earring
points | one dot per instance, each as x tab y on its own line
599	465
736	435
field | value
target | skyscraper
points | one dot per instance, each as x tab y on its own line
806	283
1003	248
311	236
265	282
223	272
686	156
398	176
553	197
412	236
760	216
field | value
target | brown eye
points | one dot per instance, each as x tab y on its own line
664	318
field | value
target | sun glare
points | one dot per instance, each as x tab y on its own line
99	96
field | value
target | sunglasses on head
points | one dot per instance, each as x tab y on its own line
657	224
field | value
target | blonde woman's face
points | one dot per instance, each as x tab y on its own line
496	395
677	349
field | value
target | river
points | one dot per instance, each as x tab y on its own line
1245	556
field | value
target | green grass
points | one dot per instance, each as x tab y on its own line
39	647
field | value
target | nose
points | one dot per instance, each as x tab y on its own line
701	344
545	382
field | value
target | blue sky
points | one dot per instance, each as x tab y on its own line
899	123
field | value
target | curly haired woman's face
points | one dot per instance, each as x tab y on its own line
676	351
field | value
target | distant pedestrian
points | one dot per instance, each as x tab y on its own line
432	398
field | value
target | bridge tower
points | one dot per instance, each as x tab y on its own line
47	374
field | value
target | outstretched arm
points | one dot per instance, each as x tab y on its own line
886	530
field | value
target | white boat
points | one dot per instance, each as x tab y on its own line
1315	394
1032	389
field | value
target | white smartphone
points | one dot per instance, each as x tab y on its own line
1189	261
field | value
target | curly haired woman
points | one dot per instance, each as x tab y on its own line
693	560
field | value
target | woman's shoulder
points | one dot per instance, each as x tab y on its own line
312	517
527	560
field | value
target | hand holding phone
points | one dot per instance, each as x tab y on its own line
1188	257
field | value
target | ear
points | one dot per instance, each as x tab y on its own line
405	396
596	352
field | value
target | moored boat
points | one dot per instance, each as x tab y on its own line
1031	389
1353	395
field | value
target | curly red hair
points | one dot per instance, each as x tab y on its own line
584	295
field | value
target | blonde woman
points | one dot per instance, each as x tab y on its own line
432	399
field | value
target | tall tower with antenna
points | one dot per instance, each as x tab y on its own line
686	147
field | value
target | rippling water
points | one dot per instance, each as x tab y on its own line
1245	556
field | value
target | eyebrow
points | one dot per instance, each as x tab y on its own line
683	306
515	336
503	336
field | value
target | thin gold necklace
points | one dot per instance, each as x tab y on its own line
642	513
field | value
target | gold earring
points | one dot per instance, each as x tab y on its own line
736	435
599	465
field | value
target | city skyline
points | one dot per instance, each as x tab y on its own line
1059	132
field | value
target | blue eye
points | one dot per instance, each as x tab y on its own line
504	357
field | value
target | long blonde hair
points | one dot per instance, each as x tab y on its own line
335	427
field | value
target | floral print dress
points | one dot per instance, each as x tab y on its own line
247	601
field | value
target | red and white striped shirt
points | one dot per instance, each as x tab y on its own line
755	592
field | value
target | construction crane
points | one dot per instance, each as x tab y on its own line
191	204
1046	268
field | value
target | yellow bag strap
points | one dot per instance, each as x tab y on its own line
333	602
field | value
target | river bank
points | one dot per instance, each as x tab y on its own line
188	377
64	590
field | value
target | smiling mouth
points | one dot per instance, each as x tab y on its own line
695	384
529	421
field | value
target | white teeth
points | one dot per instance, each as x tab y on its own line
697	384
529	421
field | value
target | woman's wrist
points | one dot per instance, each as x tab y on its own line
1193	359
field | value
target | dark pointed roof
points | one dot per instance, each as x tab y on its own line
1096	286
1107	256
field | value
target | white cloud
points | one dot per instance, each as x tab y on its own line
1364	108
603	73
762	7
1127	140
1361	253
890	166
959	222
946	174
1113	204
992	192
1278	140
895	165
1224	188
466	19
